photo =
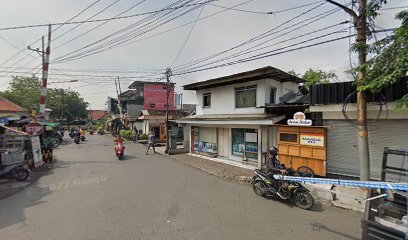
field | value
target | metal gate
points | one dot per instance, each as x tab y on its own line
342	147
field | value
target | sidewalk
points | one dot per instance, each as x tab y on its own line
223	170
344	197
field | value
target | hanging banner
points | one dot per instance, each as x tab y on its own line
312	139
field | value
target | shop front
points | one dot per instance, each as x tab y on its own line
235	143
303	146
205	140
245	143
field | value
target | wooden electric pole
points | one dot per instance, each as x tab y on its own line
360	23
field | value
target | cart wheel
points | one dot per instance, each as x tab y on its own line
22	174
304	171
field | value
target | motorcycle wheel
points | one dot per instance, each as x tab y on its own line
303	200
22	174
304	171
259	187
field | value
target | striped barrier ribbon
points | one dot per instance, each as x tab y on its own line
348	183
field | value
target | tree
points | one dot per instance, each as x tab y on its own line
24	91
390	61
366	13
68	104
316	76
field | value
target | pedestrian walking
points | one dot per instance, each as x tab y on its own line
151	143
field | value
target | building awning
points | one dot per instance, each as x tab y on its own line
232	119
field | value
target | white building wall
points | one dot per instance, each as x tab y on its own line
223	98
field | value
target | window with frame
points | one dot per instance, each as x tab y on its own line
245	97
288	137
272	95
207	100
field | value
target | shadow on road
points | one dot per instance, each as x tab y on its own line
12	207
319	226
317	206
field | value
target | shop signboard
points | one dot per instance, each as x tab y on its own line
299	119
34	129
251	137
312	139
37	155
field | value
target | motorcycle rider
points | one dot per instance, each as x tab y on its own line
273	166
118	140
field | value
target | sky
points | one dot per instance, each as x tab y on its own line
174	41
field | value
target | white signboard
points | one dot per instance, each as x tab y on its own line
312	139
36	145
251	137
295	122
299	119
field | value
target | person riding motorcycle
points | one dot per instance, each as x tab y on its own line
82	132
118	140
273	166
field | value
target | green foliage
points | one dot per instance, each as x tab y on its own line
315	76
143	137
25	91
126	134
390	62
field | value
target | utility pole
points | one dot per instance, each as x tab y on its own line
181	102
168	74
45	56
360	23
46	63
117	94
62	105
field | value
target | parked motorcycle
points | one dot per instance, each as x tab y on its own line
18	171
120	150
76	139
292	191
71	134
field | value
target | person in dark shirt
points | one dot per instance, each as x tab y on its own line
273	166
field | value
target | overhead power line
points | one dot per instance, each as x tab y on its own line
60	25
188	36
96	20
94	15
260	12
126	34
98	26
253	39
265	56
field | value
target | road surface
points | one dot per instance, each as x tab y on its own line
90	195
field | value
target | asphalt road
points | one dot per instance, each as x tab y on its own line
89	194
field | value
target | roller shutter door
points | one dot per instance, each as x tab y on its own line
342	148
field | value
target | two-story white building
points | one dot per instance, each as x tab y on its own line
230	120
